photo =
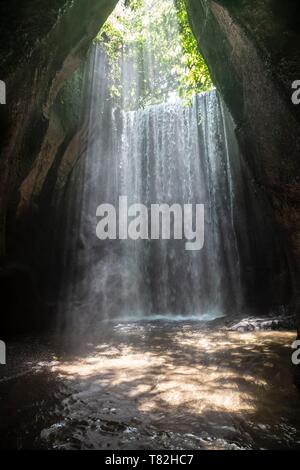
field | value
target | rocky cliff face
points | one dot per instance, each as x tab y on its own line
251	47
251	50
42	45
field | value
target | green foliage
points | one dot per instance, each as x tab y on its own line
194	75
152	53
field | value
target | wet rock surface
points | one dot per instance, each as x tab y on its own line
265	324
250	49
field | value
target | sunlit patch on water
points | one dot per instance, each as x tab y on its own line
158	385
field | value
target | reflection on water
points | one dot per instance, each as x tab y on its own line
152	385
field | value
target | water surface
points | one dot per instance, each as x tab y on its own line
152	385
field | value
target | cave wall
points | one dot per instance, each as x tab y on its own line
42	46
251	48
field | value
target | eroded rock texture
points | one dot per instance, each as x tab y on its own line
251	49
42	45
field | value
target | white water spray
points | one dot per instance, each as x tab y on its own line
161	154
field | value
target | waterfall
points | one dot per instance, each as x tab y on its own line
167	153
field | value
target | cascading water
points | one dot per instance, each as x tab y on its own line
107	380
167	153
171	153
